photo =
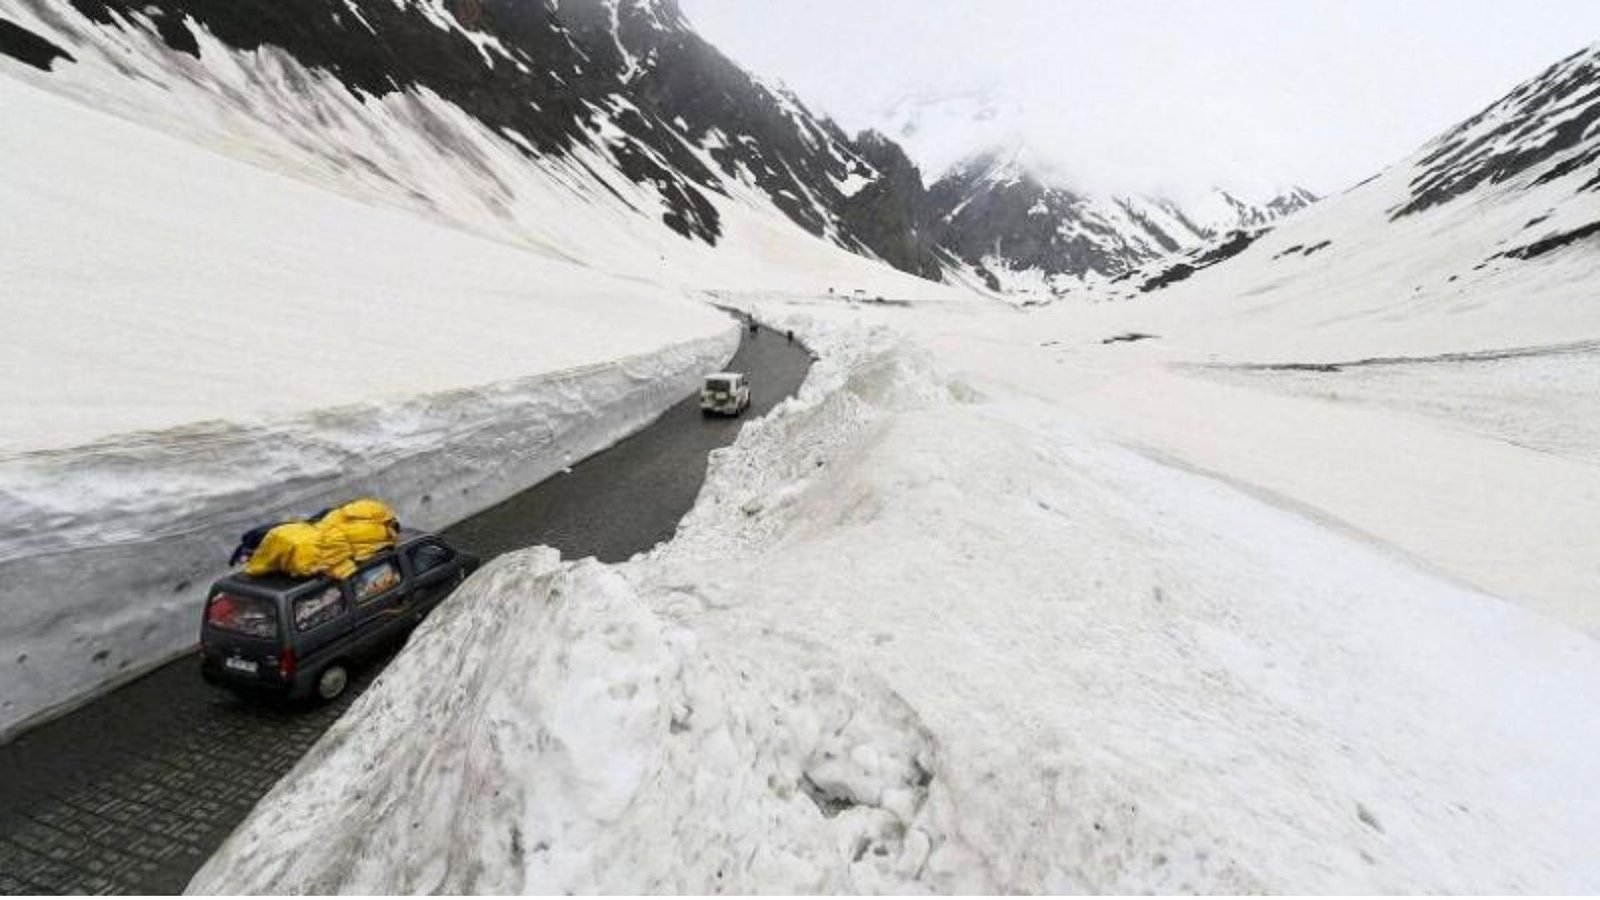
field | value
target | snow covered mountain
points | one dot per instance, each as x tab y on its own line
623	97
1022	231
596	87
1495	220
942	129
1222	212
1545	128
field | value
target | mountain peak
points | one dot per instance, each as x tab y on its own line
1011	217
1015	162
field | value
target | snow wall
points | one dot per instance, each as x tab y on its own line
106	550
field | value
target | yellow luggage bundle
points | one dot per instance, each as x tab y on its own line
370	527
332	545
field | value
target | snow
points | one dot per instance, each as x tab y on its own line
208	277
1453	455
852	183
245	347
256	302
1097	236
630	61
1131	617
436	13
916	637
416	153
991	606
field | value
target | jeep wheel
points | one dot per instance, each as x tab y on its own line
332	682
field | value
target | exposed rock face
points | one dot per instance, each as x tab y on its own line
1541	121
892	215
20	43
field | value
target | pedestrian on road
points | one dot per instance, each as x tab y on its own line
755	327
790	335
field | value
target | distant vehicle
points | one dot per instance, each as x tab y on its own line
300	637
725	393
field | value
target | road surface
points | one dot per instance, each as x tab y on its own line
131	793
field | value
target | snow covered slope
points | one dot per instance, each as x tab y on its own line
476	110
152	284
1491	227
1408	361
1006	217
914	639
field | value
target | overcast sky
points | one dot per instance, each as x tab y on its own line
1155	96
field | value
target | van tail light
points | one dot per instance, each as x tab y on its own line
286	664
220	610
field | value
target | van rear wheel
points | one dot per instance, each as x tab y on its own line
332	682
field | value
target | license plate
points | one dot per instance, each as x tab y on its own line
241	665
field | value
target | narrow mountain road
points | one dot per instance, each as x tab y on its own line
132	793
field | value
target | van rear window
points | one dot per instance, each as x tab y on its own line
240	614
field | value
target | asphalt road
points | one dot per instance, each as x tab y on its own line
131	793
629	498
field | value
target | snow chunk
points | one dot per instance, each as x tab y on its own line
623	752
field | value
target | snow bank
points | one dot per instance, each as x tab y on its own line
584	743
106	549
911	639
151	284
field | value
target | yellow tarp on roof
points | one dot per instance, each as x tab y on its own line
368	525
332	546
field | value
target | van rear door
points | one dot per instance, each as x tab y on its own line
243	636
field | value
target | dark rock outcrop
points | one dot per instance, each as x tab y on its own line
21	44
1538	123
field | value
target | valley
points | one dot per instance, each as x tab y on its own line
1095	541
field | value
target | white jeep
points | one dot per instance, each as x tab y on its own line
726	393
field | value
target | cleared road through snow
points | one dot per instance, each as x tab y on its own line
131	793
